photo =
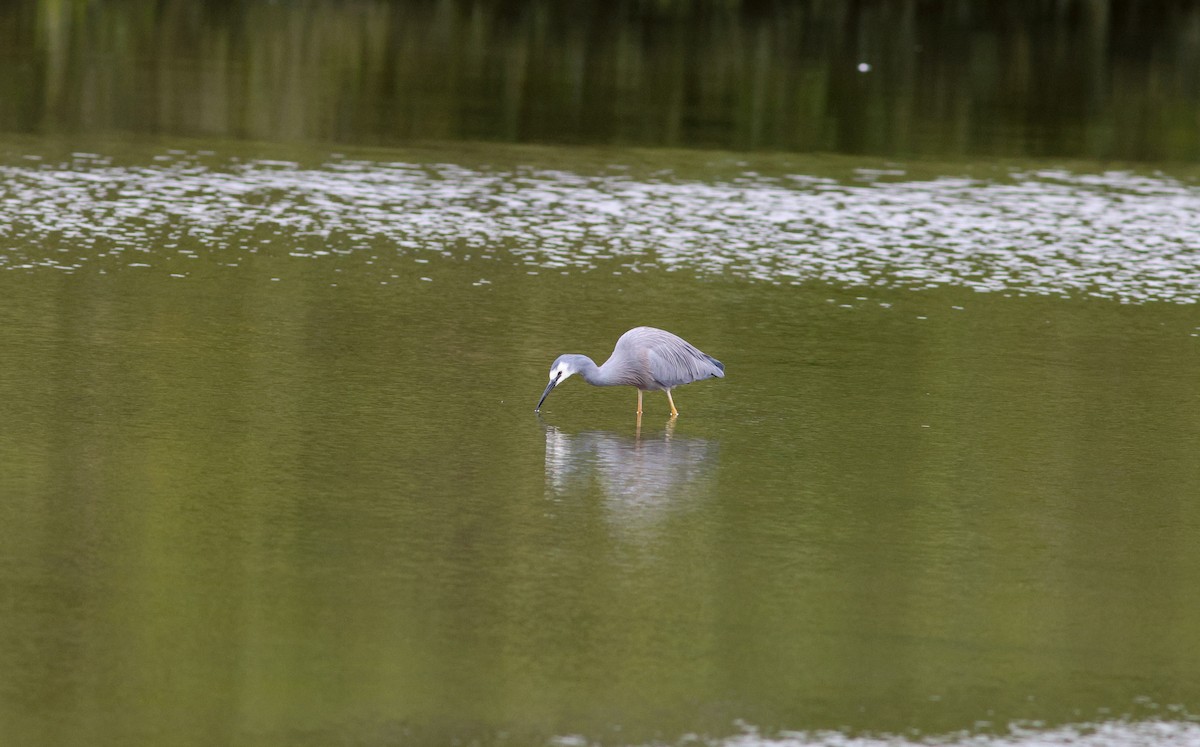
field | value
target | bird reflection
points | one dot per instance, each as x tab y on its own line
644	478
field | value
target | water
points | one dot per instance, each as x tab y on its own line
269	468
273	473
1093	79
1116	234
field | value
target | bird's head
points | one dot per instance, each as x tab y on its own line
563	367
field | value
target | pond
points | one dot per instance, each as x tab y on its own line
272	475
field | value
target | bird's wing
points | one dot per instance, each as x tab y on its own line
674	362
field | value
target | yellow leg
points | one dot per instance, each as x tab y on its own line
674	412
639	402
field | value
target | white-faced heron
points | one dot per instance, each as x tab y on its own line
647	358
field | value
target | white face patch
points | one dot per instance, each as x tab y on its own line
560	373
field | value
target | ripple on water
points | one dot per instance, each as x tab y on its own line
1115	235
1152	733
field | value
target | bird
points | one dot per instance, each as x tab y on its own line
648	358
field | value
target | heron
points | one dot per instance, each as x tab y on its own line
644	357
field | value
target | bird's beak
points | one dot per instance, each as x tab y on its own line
545	394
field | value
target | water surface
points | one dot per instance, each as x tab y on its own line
1095	79
272	475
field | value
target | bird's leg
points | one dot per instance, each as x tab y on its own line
639	401
674	412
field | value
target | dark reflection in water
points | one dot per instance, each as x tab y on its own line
1096	78
644	478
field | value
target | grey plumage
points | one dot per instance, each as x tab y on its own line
644	357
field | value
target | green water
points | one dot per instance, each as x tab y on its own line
254	512
270	472
1098	79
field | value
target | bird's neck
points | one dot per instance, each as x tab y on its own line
590	372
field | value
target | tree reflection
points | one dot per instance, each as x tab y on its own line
1098	78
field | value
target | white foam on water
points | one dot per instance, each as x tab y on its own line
1151	733
1116	235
